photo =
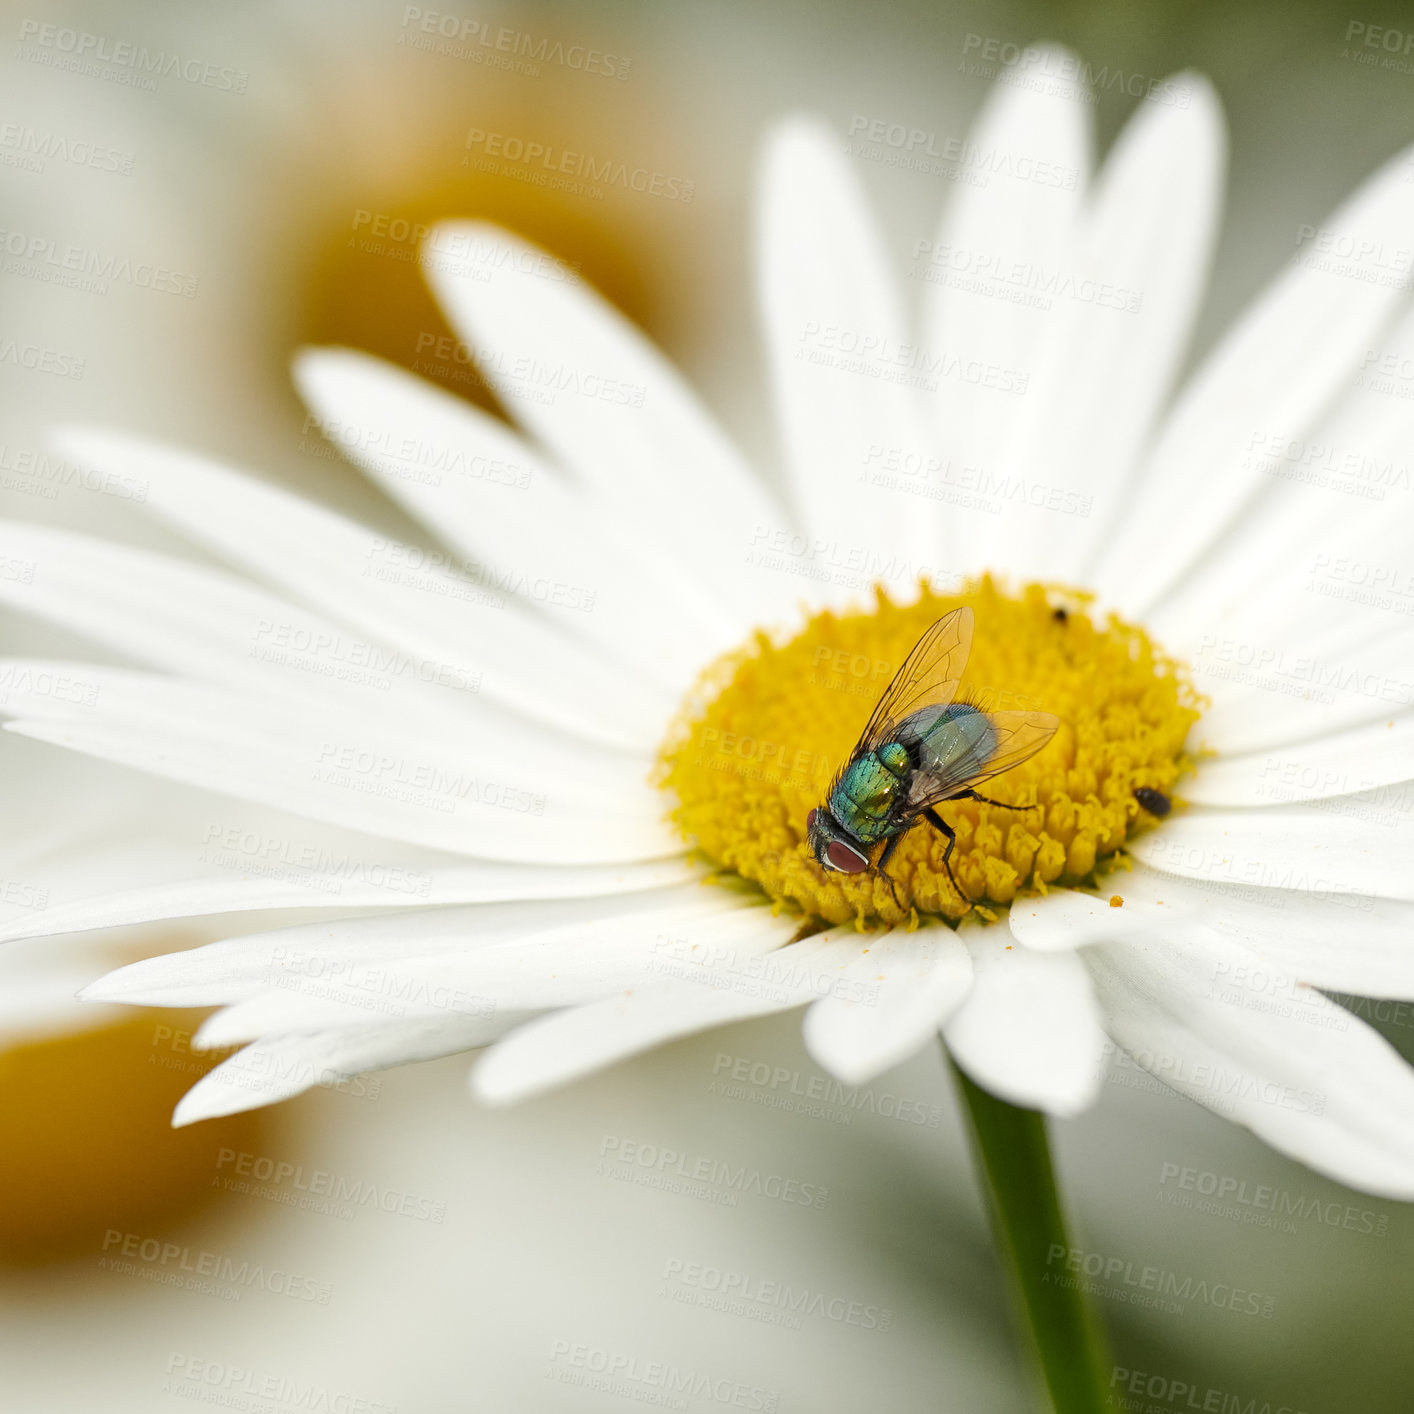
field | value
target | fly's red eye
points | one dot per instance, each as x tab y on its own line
810	820
845	859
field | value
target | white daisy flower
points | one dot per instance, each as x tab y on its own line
656	652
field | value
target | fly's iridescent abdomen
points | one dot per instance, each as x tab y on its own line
954	743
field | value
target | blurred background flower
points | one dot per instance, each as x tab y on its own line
261	188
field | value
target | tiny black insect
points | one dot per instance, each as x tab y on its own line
1154	801
1060	615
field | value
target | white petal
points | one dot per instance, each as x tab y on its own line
759	977
207	624
998	237
77	858
360	775
1274	374
494	972
1343	942
1107	362
1362	759
1360	848
1268	694
204	623
1351	943
487	495
570	833
1029	1029
59	691
1317	1084
1065	919
567	965
1318	553
842	366
392	591
568	1045
892	998
289	1065
323	958
579	376
362	877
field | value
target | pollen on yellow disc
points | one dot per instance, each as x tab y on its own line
86	1143
768	727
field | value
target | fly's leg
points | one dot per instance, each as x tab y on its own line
942	826
987	800
883	860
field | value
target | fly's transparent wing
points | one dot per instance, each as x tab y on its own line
928	678
1013	737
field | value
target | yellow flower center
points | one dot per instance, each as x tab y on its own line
768	727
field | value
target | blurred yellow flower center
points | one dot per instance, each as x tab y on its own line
768	726
89	1146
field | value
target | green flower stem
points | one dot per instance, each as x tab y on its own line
1014	1163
